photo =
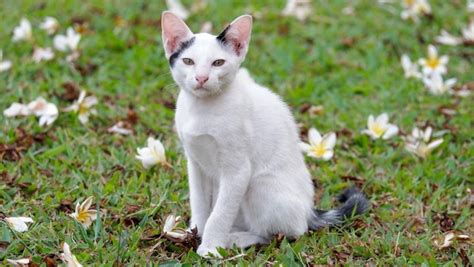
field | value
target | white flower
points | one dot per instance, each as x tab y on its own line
120	128
19	263
67	42
68	258
23	31
470	5
410	69
468	33
41	54
319	147
47	112
379	127
434	64
301	9
4	64
153	154
177	8
449	238
83	107
18	223
17	109
206	27
419	143
435	84
446	38
83	214
50	25
169	229
414	8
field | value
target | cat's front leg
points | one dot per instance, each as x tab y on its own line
199	187
233	185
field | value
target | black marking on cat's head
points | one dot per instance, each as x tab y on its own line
184	45
221	37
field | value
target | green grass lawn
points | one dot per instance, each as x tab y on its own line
349	64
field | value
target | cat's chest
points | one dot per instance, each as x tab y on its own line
200	146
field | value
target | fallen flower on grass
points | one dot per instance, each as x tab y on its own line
23	31
153	154
413	9
47	112
83	107
466	39
177	8
379	127
446	38
17	109
301	9
4	64
83	214
319	147
43	54
121	128
437	86
170	229
68	42
411	69
419	143
448	239
68	258
50	25
19	223
20	262
434	63
468	34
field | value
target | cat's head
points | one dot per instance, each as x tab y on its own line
205	64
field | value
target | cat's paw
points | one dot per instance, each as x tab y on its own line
208	252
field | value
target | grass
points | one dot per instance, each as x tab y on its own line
348	64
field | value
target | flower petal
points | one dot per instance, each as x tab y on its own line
314	136
391	131
329	140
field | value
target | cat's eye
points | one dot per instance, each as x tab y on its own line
188	61
218	63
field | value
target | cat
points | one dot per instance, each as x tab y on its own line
247	176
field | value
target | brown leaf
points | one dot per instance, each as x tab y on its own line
341	257
348	41
132	208
465	259
446	223
303	132
4	245
71	92
304	108
191	241
132	116
168	103
66	205
359	182
6	178
85	69
51	260
23	141
283	29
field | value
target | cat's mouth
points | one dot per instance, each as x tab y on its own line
200	88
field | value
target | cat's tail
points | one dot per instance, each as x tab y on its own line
353	202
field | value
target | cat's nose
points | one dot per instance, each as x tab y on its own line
202	79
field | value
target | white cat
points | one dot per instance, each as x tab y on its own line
247	176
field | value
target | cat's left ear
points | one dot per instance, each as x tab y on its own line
237	35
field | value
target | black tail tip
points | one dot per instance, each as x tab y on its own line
354	202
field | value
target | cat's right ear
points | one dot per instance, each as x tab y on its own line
174	32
